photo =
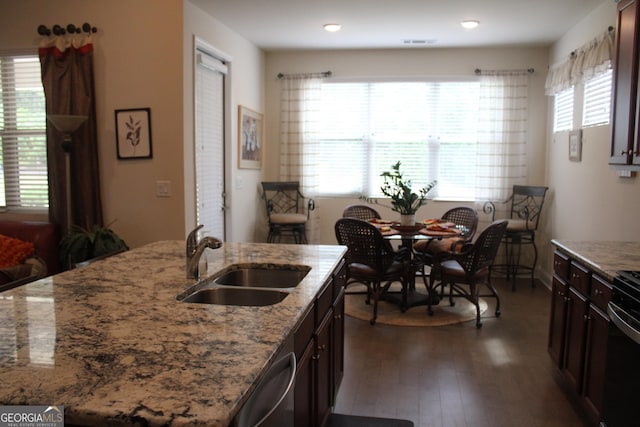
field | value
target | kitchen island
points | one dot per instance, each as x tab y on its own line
111	343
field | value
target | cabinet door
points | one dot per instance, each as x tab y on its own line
625	84
555	346
575	338
323	370
304	396
337	349
595	358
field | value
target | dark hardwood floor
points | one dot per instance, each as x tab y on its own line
499	375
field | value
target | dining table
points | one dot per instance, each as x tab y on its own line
405	237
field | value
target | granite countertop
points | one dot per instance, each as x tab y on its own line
110	342
605	258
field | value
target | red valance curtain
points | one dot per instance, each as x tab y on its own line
68	80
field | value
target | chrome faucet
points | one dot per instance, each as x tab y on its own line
195	250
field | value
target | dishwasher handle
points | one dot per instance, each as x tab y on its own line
627	324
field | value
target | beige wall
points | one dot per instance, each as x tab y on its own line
410	63
246	88
588	200
136	51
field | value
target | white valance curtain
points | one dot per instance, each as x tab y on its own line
590	60
502	133
300	103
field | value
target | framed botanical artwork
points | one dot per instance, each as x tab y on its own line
250	139
133	133
575	145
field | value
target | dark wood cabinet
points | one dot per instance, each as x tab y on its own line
578	331
625	140
319	346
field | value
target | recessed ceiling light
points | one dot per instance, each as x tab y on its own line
469	24
332	28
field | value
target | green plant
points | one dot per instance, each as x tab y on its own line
82	245
403	199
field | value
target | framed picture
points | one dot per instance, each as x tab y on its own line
575	145
250	139
133	133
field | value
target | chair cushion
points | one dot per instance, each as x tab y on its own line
435	246
452	270
365	272
520	225
287	218
13	251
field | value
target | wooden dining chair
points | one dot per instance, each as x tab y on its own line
466	271
371	260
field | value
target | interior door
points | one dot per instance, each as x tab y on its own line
209	139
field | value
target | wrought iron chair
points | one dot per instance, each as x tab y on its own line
286	210
525	207
465	271
362	212
371	260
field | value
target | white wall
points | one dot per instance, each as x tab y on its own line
408	63
247	89
588	200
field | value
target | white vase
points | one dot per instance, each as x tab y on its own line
408	219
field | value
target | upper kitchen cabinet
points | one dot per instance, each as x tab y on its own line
625	139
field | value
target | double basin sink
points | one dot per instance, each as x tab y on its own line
247	285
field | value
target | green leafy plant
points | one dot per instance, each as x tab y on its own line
82	245
403	199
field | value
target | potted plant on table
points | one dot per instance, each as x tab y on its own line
403	199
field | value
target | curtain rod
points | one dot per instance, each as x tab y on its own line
43	30
321	74
610	29
528	70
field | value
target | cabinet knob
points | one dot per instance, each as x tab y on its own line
597	292
323	347
338	317
586	317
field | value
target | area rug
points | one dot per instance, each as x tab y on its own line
339	420
390	313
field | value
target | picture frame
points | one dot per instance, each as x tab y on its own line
575	145
133	133
250	138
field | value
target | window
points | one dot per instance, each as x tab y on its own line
431	127
563	110
23	155
597	100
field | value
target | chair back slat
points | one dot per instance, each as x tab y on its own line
465	217
485	248
362	212
282	197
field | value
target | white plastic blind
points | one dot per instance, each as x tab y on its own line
209	150
597	100
23	149
430	127
563	110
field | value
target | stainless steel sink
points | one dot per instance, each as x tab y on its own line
273	276
247	285
236	296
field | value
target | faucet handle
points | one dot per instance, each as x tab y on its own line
192	238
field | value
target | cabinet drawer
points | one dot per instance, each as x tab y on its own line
580	278
561	265
324	302
600	292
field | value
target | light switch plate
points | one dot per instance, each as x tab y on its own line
163	188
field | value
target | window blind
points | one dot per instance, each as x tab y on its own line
430	127
563	110
23	153
597	100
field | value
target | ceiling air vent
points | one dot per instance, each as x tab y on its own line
418	42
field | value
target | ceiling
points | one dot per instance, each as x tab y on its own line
379	24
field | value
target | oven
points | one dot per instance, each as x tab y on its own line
621	399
